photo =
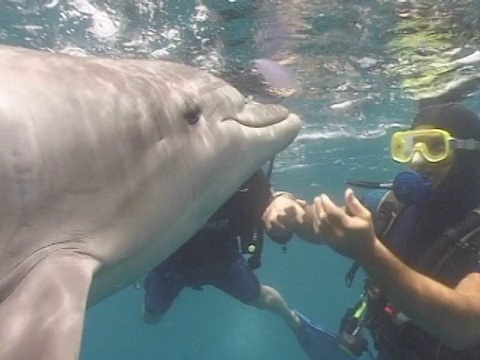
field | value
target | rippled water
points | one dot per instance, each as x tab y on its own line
351	58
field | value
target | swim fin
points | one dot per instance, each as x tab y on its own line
319	343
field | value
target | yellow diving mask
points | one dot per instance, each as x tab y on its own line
434	144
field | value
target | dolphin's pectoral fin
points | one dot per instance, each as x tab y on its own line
43	317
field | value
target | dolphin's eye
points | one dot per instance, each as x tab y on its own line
193	114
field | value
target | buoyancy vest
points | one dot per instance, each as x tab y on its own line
235	227
448	260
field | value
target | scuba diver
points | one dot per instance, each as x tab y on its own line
418	240
215	255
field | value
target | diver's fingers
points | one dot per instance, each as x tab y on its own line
354	206
301	202
319	214
334	214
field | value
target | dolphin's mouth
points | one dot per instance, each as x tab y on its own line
257	115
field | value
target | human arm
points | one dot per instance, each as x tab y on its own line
453	315
286	215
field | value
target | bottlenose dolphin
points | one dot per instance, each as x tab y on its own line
106	167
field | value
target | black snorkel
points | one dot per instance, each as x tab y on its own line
409	187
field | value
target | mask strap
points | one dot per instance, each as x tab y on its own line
467	144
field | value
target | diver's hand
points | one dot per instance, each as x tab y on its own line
282	216
349	231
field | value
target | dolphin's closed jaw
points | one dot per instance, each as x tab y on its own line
260	115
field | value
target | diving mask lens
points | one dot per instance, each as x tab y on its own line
433	144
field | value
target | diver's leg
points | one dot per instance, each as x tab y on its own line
237	279
271	300
162	286
241	282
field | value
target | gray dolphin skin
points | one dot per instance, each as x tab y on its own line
106	167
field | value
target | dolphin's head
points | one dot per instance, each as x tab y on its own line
230	136
207	140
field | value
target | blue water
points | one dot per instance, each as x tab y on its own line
332	147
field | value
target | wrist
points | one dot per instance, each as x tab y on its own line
371	256
278	194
